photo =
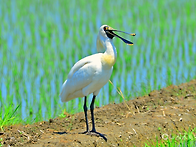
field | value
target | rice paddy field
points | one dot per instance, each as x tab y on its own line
41	40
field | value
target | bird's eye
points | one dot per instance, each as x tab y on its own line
105	28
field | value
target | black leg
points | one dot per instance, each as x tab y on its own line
92	114
93	131
85	113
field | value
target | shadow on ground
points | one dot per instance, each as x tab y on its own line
158	114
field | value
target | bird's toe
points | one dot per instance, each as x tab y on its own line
95	133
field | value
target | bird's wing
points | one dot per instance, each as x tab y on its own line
80	64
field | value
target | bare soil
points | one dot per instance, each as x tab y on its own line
156	115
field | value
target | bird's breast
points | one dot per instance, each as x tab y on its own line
108	60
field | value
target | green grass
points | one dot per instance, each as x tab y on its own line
63	113
0	142
9	117
187	139
41	40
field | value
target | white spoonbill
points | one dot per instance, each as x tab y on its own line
91	73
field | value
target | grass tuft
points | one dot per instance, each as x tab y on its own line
1	139
182	139
9	117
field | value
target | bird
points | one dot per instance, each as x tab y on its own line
91	73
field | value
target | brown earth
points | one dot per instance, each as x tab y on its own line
156	115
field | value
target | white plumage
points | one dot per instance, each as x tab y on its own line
91	73
87	76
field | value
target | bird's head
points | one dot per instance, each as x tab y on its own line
106	32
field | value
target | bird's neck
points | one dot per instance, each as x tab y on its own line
110	54
100	45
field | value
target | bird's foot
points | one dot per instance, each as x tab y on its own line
95	133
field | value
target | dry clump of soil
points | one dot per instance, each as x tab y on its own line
156	115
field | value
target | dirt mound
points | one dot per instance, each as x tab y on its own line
158	114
